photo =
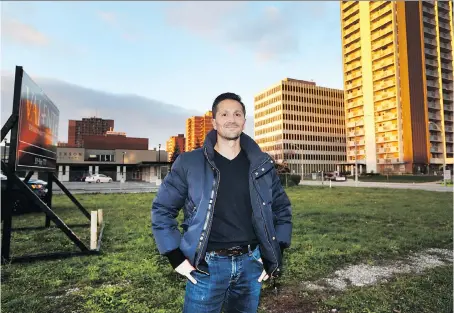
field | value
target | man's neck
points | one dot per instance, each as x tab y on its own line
228	148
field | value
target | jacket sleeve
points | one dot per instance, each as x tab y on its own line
282	211
166	205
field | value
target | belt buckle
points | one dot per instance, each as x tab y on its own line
234	251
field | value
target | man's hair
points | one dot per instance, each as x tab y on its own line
226	96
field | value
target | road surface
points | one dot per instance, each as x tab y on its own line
351	183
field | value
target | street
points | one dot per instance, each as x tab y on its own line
351	183
113	187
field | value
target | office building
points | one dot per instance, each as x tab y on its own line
398	78
175	141
196	129
301	125
87	126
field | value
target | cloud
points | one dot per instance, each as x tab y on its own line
108	17
18	32
271	32
265	32
120	25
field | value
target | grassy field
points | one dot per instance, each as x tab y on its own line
401	178
332	228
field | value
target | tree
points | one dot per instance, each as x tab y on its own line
175	153
197	144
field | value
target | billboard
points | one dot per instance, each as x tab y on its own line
37	129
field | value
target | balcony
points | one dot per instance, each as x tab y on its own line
354	104
436	150
431	73
448	117
352	38
352	56
382	53
444	26
434	128
387	19
433	105
444	44
447	97
428	10
351	29
450	139
350	11
448	108
432	83
355	114
384	95
433	94
430	21
385	117
348	4
355	124
433	116
382	63
447	77
379	33
446	66
382	42
429	31
354	94
353	75
430	42
383	74
435	138
384	84
350	20
446	56
387	106
431	62
447	87
430	52
352	47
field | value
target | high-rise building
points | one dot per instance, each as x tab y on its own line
398	77
175	141
196	129
302	125
87	126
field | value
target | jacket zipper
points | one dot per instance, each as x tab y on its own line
210	219
263	218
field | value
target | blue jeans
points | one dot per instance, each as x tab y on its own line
232	285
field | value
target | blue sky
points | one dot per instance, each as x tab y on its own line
182	53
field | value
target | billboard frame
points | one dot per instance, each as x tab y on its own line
13	180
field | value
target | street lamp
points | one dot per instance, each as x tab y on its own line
123	172
159	161
444	150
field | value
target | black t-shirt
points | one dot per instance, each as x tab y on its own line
232	220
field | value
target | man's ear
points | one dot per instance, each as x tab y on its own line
213	122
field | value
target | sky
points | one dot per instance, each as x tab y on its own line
181	53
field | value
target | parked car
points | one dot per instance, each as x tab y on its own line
335	176
21	203
98	178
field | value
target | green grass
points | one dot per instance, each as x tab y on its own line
401	178
332	228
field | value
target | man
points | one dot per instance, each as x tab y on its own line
237	217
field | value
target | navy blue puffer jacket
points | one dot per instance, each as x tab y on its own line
192	184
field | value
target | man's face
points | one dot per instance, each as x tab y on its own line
229	120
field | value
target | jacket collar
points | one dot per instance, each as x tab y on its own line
255	155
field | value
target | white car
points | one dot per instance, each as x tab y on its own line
98	178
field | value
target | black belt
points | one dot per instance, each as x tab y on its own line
235	251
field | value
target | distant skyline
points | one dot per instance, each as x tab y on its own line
180	53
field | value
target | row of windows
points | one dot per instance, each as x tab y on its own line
313	157
318	129
302	137
314	119
318	98
321	109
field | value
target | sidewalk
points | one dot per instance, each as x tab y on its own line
351	183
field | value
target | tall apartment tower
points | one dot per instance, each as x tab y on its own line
175	141
196	129
302	125
398	78
87	126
